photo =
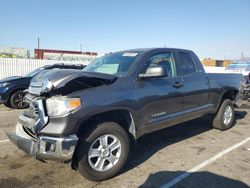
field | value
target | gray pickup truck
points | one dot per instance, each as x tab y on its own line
92	117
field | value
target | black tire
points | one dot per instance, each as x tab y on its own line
17	100
218	122
87	142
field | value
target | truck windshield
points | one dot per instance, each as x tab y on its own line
117	63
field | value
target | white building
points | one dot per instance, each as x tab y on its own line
14	52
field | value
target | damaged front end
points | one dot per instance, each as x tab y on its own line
49	107
44	147
27	136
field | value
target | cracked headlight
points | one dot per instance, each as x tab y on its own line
60	106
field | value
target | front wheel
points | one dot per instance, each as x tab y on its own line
17	100
225	117
104	152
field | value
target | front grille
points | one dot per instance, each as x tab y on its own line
28	121
32	111
34	118
30	132
30	117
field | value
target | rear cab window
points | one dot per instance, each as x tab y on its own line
186	63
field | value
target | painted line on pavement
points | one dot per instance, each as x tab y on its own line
2	141
203	164
2	112
9	111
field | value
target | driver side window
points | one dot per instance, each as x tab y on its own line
163	59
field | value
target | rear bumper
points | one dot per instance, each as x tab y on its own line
44	147
246	93
238	99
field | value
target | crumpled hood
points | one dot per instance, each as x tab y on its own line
66	81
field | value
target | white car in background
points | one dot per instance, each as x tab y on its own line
242	67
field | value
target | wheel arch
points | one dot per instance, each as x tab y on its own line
13	90
229	94
123	117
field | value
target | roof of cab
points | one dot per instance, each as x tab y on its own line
155	49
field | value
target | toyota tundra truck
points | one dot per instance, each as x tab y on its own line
93	117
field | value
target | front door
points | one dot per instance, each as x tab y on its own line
160	99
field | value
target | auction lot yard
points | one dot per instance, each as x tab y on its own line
160	158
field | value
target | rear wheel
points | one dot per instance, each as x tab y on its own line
103	152
17	100
225	117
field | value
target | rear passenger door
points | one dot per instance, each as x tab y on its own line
196	86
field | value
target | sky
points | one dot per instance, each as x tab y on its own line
212	28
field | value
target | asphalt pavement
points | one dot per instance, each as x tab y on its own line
191	154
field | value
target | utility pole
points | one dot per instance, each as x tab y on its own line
242	56
38	43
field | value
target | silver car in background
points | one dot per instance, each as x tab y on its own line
242	67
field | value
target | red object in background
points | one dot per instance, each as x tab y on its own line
39	53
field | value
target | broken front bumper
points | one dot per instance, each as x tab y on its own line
44	147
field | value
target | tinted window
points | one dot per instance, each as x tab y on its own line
187	64
164	59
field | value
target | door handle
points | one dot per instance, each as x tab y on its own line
177	85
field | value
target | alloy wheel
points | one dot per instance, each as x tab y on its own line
104	153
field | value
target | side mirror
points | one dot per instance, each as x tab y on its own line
156	71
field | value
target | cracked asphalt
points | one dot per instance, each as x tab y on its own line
159	158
